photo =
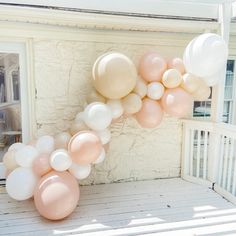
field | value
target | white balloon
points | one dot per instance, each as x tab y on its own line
104	135
60	160
101	157
79	116
116	107
97	116
212	80
141	88
20	183
45	144
16	146
155	90
80	171
62	140
25	156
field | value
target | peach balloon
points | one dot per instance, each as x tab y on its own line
150	115
190	83
85	147
171	78
177	102
41	165
132	103
114	75
177	63
9	160
56	195
152	67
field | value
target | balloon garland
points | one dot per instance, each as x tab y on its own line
47	169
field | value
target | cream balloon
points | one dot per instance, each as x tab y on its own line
101	157
155	90
26	155
62	140
80	171
45	144
60	160
20	183
97	116
114	75
116	108
9	160
190	83
104	135
16	146
141	88
202	93
132	103
171	78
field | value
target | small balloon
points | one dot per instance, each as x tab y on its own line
132	103
97	116
141	88
150	115
104	135
56	195
85	147
116	108
20	183
60	160
155	90
177	102
177	63
41	165
26	155
45	144
202	93
62	140
80	171
9	160
101	157
16	146
152	67
190	83
171	78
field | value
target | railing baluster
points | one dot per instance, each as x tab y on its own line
191	152
205	155
234	173
198	152
221	159
226	155
229	178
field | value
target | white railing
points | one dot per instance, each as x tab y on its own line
209	156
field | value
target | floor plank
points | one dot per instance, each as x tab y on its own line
157	207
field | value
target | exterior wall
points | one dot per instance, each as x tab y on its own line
63	80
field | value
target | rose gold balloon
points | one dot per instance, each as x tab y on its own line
177	63
177	102
152	67
56	195
85	147
150	115
9	160
41	165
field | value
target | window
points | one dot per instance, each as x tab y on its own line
203	109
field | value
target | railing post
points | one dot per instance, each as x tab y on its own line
185	151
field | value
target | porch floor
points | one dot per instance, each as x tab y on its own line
158	207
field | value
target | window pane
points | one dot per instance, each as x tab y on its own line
202	109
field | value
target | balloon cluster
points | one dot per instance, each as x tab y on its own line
47	169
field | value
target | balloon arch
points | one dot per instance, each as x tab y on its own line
47	169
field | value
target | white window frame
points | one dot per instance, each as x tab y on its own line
20	49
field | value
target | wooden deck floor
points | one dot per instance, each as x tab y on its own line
158	207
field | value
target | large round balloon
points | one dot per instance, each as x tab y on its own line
97	116
114	75
205	55
177	102
85	147
150	115
152	67
20	183
56	195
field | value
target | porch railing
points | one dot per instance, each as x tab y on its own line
209	156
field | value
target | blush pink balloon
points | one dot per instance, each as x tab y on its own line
41	165
56	195
152	67
177	63
177	102
85	147
150	115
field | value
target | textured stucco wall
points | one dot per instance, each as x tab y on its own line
62	80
